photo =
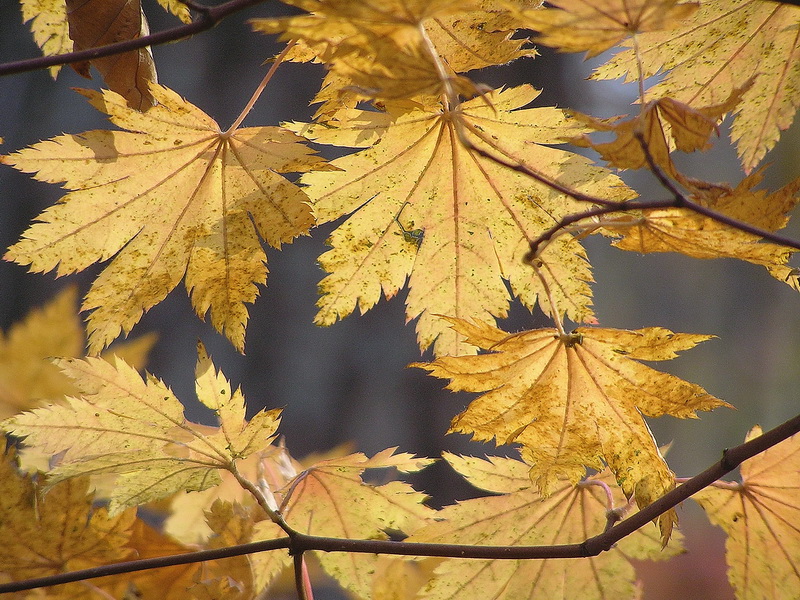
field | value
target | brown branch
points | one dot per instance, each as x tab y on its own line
208	17
299	543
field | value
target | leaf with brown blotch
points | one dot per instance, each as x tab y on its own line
331	499
171	196
761	516
596	26
48	19
522	517
575	401
724	45
456	224
136	430
95	23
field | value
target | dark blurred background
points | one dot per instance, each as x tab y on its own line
349	382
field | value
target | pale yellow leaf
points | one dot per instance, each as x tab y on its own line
48	19
172	196
761	517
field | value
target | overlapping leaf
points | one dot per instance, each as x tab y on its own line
399	48
575	401
426	207
521	517
331	499
594	27
761	517
136	430
173	195
27	375
723	46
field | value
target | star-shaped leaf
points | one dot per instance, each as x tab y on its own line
171	196
522	517
454	222
575	401
761	517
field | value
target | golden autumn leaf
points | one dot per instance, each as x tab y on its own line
575	401
330	498
594	27
698	236
48	19
171	196
45	534
399	48
95	23
136	430
454	223
724	45
27	375
664	125
761	516
522	517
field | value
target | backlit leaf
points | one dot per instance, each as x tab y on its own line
48	19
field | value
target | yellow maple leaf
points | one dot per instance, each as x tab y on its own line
428	208
521	517
698	236
173	195
724	45
58	531
49	26
27	375
575	401
136	430
594	27
760	516
399	48
331	499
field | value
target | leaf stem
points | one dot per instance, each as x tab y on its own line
254	98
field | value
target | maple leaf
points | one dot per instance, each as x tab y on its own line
664	125
698	236
136	430
331	499
428	208
173	195
724	45
575	401
760	516
27	376
399	48
56	532
48	19
94	23
577	25
522	517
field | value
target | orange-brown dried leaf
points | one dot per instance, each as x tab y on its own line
723	46
95	23
575	402
454	223
330	498
522	517
171	196
761	517
596	26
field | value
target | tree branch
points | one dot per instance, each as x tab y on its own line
208	17
299	543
